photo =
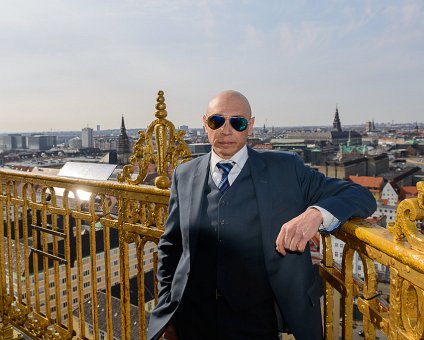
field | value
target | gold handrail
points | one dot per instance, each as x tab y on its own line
400	250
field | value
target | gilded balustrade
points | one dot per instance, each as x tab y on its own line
43	255
46	277
401	249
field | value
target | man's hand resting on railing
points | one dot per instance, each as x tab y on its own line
295	234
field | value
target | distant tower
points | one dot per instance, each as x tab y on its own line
337	126
417	129
123	147
368	126
87	137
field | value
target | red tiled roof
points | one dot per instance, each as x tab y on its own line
409	190
368	181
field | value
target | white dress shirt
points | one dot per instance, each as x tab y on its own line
238	161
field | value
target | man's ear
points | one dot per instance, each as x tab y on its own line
204	123
251	123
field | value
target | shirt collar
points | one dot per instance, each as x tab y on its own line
240	158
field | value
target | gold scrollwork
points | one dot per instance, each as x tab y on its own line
408	212
17	313
36	325
53	332
161	144
412	307
132	211
160	215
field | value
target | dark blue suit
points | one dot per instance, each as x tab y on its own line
284	188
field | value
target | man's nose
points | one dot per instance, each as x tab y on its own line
226	128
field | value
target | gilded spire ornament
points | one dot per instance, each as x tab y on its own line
160	144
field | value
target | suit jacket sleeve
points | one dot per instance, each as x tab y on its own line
341	198
170	244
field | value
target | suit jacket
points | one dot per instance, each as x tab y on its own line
284	188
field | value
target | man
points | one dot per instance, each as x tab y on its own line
234	260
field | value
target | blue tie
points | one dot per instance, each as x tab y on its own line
225	169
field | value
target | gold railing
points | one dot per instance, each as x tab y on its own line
400	248
57	250
65	250
44	259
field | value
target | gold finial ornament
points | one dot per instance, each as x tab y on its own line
160	144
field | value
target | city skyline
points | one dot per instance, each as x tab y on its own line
67	65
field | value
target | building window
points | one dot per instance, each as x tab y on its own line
86	284
86	272
74	277
86	296
51	284
336	254
74	288
99	279
75	300
99	268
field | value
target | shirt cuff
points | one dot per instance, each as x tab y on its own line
329	221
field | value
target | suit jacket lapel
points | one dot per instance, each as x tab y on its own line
260	177
196	188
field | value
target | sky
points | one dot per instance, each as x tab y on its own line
65	65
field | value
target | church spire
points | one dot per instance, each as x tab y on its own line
123	129
337	126
123	145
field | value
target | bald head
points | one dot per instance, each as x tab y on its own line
227	101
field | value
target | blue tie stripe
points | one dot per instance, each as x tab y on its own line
225	169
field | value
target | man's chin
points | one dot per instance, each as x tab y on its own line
225	153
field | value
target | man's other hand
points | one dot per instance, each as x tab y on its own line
295	234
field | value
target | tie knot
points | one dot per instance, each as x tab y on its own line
225	167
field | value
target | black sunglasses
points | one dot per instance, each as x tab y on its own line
238	123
